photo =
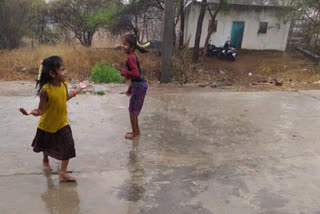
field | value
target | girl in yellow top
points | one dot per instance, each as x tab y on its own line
54	135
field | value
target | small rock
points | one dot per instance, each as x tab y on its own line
250	74
203	85
190	84
317	82
213	86
222	72
246	84
221	84
278	83
174	83
195	183
229	84
254	83
261	80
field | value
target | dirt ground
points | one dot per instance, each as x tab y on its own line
263	69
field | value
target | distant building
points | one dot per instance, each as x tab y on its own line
249	24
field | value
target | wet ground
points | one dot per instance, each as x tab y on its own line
201	152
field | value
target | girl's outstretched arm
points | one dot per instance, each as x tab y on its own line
42	105
81	86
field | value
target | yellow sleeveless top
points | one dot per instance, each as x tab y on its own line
55	115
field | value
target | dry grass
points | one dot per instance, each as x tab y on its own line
22	64
184	70
291	66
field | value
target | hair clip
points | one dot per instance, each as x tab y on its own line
40	71
144	45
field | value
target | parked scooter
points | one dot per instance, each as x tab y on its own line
225	52
212	50
154	45
228	52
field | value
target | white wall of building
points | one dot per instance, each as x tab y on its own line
275	38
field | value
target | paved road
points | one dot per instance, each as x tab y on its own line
201	152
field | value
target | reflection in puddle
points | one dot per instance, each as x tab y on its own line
133	189
62	198
136	173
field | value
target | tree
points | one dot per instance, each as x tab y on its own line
182	20
168	37
39	28
136	17
222	4
306	15
195	54
83	17
14	22
310	12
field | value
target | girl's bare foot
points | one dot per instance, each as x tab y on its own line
130	133
131	136
65	177
46	166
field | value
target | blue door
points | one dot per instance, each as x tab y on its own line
237	34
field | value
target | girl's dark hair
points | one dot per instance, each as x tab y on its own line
53	64
133	43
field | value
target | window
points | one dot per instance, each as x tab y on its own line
263	28
215	25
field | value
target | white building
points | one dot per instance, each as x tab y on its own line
249	24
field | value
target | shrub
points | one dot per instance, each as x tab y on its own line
103	73
183	70
100	93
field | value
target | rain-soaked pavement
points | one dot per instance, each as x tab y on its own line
201	152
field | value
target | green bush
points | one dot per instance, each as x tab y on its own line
103	73
100	93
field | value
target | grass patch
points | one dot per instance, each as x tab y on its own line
100	93
103	73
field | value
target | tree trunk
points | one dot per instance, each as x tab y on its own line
136	26
195	55
85	38
174	39
211	27
181	35
167	44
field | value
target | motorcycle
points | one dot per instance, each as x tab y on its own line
212	50
225	52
